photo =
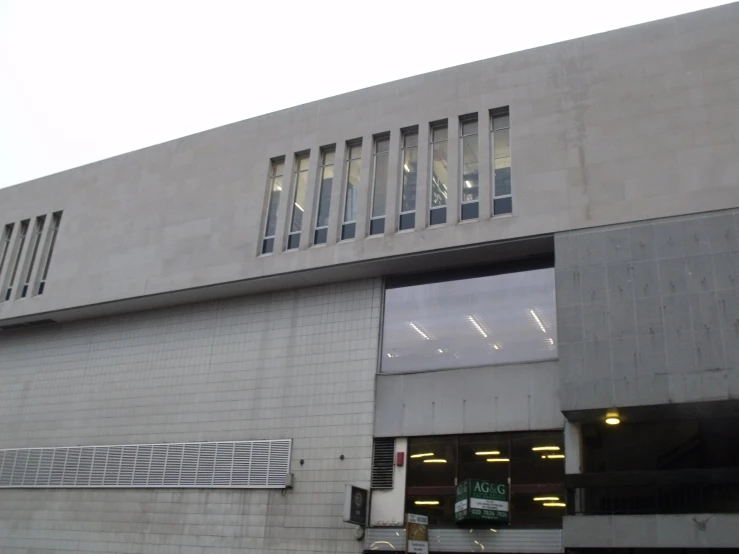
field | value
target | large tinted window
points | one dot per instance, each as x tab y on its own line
532	463
495	319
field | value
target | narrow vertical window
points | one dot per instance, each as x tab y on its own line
56	221
17	257
324	196
35	241
379	185
439	175
353	170
300	186
470	170
501	144
409	174
275	188
5	245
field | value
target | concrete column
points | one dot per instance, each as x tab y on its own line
286	200
338	193
364	206
311	199
453	148
393	185
573	448
422	186
485	163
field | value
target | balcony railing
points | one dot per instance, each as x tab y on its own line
654	492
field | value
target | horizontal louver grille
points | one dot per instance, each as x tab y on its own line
382	464
240	464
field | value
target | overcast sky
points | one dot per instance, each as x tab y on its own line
82	80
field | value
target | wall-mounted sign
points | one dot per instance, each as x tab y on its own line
355	505
417	534
481	501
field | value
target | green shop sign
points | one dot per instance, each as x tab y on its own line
481	501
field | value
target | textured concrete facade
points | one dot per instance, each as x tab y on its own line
648	313
297	365
628	125
519	397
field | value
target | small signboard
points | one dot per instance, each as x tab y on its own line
355	505
479	500
417	534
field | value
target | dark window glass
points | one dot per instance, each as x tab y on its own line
293	241
377	226
476	450
503	206
490	320
320	236
268	245
407	221
347	231
470	211
439	508
432	462
438	216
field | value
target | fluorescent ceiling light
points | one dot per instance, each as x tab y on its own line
487	453
496	346
543	448
477	326
554	504
435	461
536	317
468	184
424	455
554	456
299	207
407	169
440	351
546	498
498	460
551	341
424	335
426	502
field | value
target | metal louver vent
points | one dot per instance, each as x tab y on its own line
234	464
382	463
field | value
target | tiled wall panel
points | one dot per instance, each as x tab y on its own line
298	365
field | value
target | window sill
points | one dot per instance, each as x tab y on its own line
489	366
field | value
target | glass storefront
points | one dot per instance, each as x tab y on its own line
532	463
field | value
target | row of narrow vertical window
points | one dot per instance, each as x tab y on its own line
21	246
438	183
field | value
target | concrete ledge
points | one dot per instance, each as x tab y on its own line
651	531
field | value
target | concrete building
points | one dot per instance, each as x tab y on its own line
204	341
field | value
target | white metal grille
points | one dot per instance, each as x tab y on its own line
234	464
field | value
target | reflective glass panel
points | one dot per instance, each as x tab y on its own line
439	175
497	319
470	169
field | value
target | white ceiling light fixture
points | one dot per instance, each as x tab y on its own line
488	453
477	326
422	455
546	448
417	330
538	321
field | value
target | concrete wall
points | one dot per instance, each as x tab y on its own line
649	313
476	400
638	123
651	531
297	365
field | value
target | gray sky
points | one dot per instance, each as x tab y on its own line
82	80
